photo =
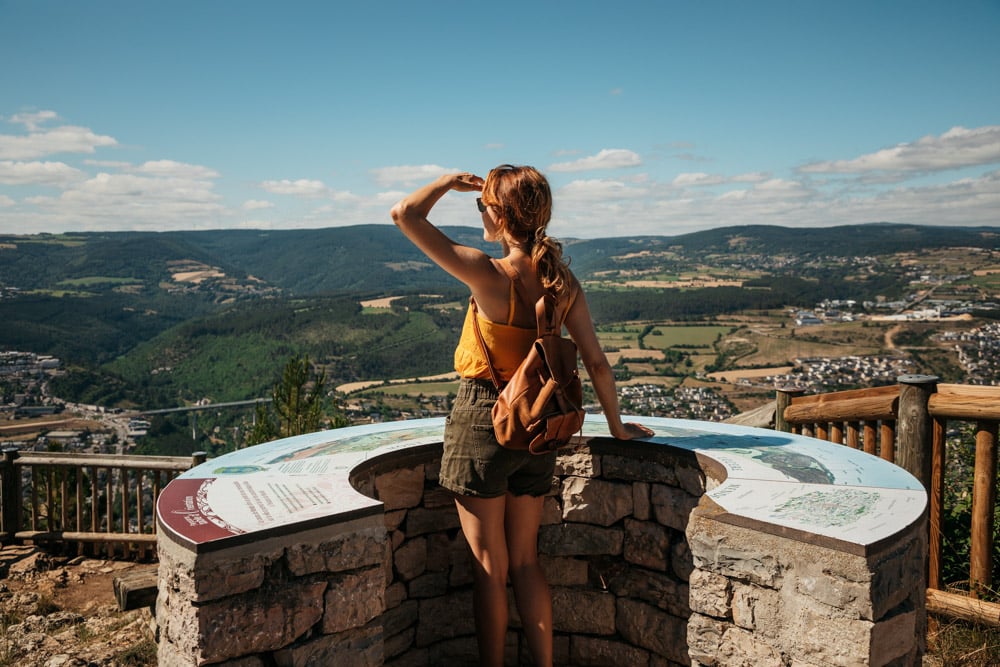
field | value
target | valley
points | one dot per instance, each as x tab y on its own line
702	326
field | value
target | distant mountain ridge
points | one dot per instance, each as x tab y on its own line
158	319
377	258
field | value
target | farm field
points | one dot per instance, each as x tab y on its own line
666	337
759	343
661	336
749	373
414	389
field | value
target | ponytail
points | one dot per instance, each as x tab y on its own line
547	260
525	199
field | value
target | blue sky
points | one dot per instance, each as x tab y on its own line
648	117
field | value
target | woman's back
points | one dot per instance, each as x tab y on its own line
499	492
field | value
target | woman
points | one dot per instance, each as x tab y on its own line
499	492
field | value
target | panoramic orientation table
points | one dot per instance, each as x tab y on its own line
779	479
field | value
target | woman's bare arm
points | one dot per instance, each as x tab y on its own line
581	328
469	265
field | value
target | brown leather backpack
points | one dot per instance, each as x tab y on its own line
540	408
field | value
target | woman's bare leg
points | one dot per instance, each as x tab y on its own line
482	522
531	591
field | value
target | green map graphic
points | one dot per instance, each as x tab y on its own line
831	508
797	466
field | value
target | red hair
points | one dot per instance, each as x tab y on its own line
525	201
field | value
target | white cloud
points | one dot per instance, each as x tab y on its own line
751	177
108	164
734	195
128	201
302	187
307	189
782	188
691	157
143	189
608	158
597	190
493	147
65	139
344	196
31	120
697	179
596	208
958	147
409	174
390	197
172	169
152	193
38	173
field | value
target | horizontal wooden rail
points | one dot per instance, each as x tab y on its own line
71	536
859	418
103	502
954	605
127	461
966	402
837	396
862	408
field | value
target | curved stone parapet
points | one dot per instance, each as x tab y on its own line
705	544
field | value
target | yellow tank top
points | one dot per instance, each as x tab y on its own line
508	345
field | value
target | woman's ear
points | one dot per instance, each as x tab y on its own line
502	226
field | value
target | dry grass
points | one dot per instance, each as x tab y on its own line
953	643
776	349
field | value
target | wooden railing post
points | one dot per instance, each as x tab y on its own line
913	426
984	493
10	488
197	458
935	543
783	398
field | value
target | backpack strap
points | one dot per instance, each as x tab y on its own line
482	343
546	321
545	316
515	286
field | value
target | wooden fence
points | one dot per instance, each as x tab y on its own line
907	424
99	503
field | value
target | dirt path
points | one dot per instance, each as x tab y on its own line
889	334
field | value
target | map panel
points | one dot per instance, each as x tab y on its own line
792	480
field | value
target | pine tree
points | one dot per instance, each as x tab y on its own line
296	405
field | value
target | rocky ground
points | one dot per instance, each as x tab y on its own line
58	611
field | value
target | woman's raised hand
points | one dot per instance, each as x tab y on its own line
466	182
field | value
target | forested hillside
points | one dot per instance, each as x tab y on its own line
377	258
161	319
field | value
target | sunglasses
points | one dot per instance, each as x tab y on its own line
480	205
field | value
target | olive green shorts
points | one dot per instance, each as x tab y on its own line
474	464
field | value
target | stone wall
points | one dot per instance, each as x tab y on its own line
764	600
312	598
645	571
612	545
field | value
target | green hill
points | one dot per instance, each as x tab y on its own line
163	318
